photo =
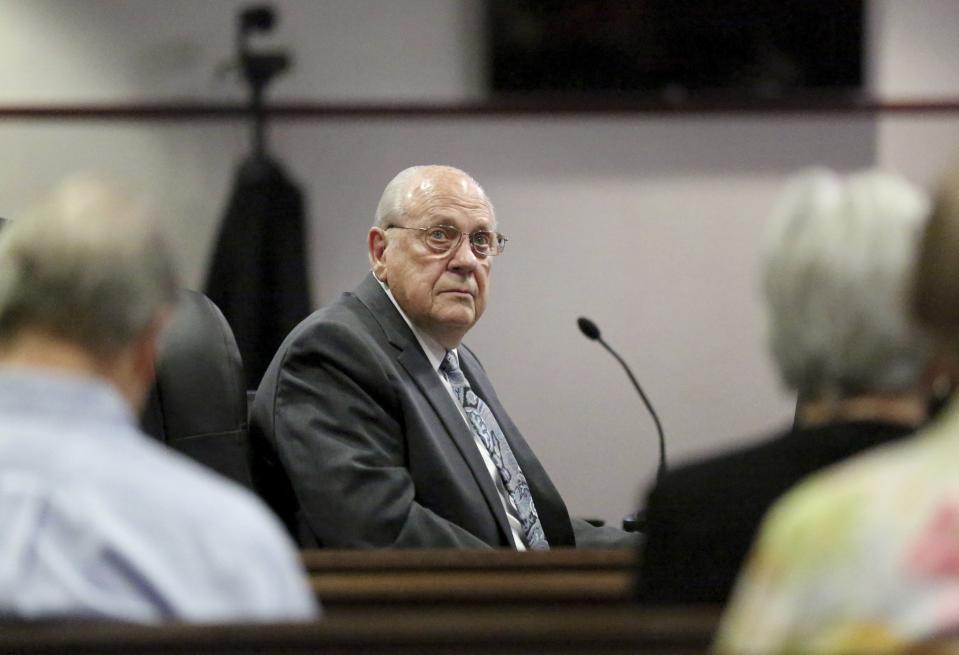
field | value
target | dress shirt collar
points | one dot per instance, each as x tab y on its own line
43	392
435	352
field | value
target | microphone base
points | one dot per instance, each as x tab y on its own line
635	522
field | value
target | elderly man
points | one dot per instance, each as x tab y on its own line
836	262
375	427
99	520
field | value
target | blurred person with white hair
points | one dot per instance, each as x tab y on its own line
835	265
99	520
865	556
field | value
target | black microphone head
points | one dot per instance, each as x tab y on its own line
258	18
588	328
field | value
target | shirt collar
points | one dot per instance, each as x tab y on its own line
435	352
41	392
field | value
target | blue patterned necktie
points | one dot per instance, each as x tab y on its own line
484	426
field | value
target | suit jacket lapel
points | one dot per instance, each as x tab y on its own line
411	357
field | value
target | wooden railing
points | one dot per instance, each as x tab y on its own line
516	107
596	630
424	603
441	579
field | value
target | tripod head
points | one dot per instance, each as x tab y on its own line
259	68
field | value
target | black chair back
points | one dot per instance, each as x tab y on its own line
198	405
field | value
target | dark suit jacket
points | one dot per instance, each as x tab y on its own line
701	518
357	443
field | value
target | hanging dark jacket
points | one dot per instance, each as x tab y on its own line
257	275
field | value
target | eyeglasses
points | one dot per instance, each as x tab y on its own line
444	238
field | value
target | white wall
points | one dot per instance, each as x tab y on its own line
915	49
352	50
917	56
647	224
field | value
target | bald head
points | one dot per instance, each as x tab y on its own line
414	185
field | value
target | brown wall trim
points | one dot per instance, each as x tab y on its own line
322	111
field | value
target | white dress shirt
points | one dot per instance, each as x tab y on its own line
100	521
436	353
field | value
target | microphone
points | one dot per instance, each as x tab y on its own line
591	331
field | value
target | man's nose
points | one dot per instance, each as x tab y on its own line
463	256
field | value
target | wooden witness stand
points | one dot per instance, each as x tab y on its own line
424	602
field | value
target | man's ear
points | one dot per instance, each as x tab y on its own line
148	346
134	369
376	243
942	371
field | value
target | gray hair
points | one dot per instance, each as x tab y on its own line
392	205
84	266
837	262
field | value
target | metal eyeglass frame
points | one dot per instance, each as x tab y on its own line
499	241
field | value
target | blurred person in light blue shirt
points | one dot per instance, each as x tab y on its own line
98	520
